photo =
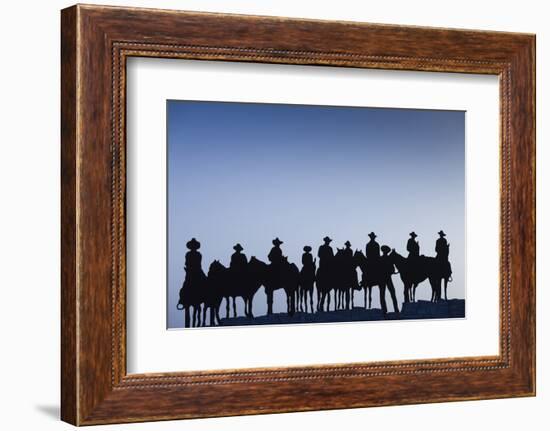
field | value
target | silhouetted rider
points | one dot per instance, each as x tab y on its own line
238	259
412	246
307	257
193	259
325	253
275	256
348	252
442	247
387	269
372	250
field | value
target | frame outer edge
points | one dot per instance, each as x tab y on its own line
88	397
69	202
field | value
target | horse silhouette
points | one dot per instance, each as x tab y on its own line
191	297
283	275
236	284
325	281
345	276
306	285
414	271
374	274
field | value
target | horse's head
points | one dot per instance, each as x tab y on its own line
256	264
215	266
358	254
396	258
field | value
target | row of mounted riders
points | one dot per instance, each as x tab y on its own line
336	273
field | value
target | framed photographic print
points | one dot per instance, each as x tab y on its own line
265	214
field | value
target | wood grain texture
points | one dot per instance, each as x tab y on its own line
96	41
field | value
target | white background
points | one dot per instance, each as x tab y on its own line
29	220
151	348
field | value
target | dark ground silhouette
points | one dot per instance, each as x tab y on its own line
453	308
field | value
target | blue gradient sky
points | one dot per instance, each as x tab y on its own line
244	172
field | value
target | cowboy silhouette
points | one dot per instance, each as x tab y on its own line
193	259
442	247
275	256
372	249
325	253
307	279
348	252
238	259
387	269
193	284
307	257
349	272
412	246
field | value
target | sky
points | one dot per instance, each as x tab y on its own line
249	172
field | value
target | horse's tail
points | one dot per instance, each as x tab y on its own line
180	305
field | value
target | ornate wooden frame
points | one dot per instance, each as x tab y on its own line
95	42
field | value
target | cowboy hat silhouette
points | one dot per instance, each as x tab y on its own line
307	248
327	239
413	234
442	233
277	241
347	243
193	244
238	247
372	235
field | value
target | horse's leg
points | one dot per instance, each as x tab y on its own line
289	303
328	300
311	300
370	297
318	300
234	308
187	317
414	291
382	288
227	307
218	315
434	289
365	293
391	288
446	282
204	310
269	301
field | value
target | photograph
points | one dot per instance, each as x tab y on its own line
304	214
